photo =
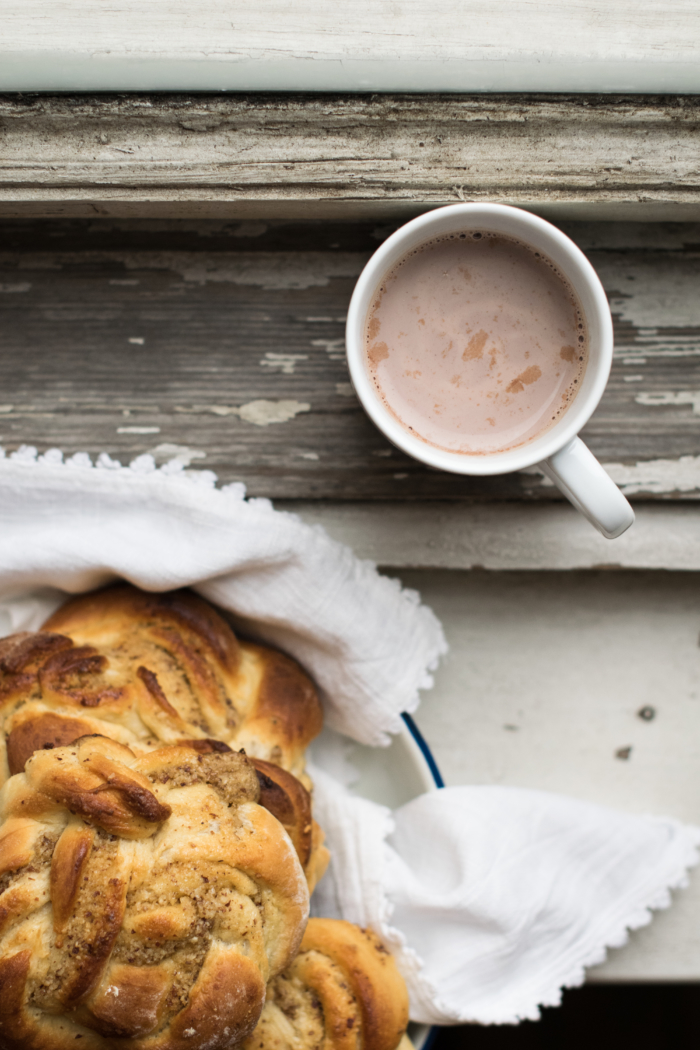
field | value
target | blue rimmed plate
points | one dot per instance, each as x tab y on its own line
393	776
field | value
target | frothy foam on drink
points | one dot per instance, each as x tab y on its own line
476	343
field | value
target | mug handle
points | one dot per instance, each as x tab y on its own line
579	475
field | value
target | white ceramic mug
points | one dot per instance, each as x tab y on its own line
559	452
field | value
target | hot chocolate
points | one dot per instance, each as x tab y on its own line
476	343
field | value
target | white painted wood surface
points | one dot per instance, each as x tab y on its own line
361	45
543	687
507	536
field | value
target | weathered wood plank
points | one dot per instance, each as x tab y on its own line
346	155
128	337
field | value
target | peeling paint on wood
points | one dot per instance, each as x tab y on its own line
262	413
658	477
168	453
285	363
109	344
138	430
13	289
652	477
664	397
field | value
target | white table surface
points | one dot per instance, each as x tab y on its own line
549	669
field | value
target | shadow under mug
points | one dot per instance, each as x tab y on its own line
558	451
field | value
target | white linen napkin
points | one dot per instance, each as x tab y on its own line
369	645
492	898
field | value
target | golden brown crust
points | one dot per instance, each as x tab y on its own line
161	665
287	798
68	870
146	669
194	617
283	795
16	843
80	954
319	859
90	778
342	992
39	732
165	919
186	651
286	715
153	686
76	677
14	970
20	1030
21	657
226	1005
371	972
155	895
129	1003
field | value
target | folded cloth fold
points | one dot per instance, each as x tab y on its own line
369	644
492	898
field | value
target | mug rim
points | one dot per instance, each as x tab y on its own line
543	445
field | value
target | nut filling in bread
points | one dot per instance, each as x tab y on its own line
148	897
41	854
342	992
150	669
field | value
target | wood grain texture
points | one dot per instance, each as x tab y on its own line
507	536
222	345
404	45
317	29
316	156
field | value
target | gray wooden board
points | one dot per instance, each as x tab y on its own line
144	335
292	155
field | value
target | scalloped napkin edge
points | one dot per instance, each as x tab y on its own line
70	525
492	898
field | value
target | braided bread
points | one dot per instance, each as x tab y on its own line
289	801
144	897
146	669
342	992
160	666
